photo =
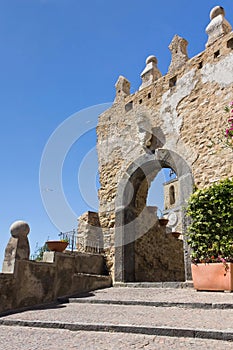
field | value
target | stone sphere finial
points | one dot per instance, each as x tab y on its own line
19	229
150	73
217	10
218	26
151	59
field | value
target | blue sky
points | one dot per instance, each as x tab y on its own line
61	56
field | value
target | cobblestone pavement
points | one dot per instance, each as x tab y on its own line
27	338
23	338
187	295
132	315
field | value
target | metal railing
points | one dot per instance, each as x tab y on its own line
87	245
81	244
71	236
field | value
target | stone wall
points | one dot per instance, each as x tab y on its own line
26	283
158	255
90	236
190	115
181	112
34	283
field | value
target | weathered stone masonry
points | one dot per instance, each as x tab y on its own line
172	121
26	283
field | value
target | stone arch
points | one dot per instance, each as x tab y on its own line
129	206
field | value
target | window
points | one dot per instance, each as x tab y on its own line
129	106
172	82
230	43
172	195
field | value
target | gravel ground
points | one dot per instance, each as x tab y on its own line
22	338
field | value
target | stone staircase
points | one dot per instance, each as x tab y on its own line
131	318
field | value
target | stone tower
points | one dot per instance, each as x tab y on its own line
172	121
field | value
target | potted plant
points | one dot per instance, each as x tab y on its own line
176	234
58	246
210	236
163	221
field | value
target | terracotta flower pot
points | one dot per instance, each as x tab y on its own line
57	246
213	276
163	221
176	234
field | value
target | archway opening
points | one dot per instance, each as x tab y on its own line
157	193
144	251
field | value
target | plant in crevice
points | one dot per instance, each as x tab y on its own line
229	130
225	139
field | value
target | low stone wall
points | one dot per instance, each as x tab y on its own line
26	283
34	283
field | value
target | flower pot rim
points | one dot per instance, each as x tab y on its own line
212	262
57	246
163	221
176	234
55	240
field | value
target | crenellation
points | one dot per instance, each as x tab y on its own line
122	88
162	83
178	48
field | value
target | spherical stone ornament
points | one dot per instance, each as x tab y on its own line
19	229
151	59
217	10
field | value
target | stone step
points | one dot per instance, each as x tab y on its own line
133	319
60	339
158	331
150	303
87	282
176	285
160	297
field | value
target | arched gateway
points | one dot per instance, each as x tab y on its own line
173	121
133	219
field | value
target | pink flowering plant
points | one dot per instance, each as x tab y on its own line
229	130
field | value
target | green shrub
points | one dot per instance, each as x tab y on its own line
39	251
210	234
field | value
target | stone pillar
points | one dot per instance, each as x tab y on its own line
122	88
17	247
90	235
178	48
151	73
218	26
